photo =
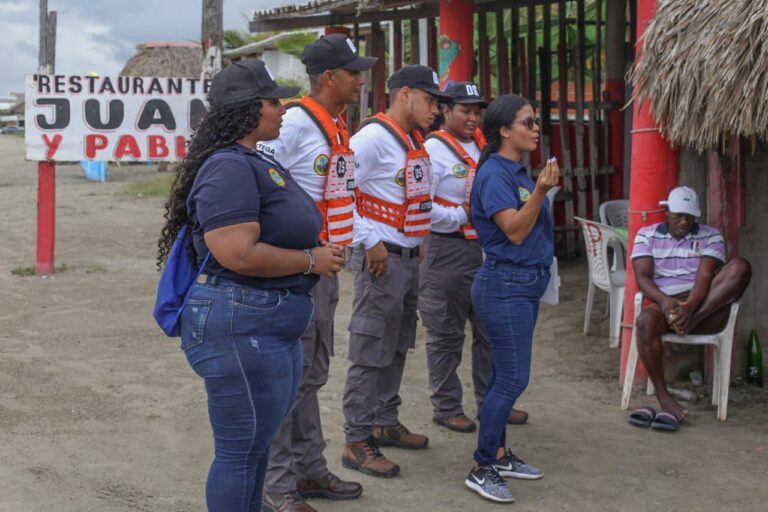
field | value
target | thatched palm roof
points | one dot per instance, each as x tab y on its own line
704	70
166	59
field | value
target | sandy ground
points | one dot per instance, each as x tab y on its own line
100	412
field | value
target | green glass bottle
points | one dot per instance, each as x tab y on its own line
754	360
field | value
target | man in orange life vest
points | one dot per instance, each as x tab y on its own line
314	146
452	257
392	219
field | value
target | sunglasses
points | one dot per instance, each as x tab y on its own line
530	122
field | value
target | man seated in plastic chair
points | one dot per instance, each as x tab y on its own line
680	266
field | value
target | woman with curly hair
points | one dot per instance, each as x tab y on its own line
245	314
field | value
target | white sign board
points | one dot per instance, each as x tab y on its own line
127	118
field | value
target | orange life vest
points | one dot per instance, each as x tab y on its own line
412	217
444	136
338	204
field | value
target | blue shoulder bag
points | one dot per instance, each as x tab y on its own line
178	275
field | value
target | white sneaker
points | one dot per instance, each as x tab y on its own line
513	466
487	482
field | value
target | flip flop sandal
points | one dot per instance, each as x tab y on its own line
642	417
666	421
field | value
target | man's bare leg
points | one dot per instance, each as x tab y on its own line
727	286
651	324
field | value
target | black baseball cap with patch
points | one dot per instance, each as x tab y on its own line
466	93
246	79
334	51
417	76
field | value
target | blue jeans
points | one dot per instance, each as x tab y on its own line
244	343
506	298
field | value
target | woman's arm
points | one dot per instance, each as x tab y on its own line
237	248
517	224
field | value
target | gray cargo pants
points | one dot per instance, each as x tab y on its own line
297	450
381	330
445	305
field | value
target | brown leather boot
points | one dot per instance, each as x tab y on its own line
517	417
458	423
285	502
400	437
364	456
329	487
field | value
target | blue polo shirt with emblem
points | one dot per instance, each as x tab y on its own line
236	185
501	184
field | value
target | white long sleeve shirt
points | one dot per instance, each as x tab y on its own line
449	181
380	169
303	149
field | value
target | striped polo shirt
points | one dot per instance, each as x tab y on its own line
676	262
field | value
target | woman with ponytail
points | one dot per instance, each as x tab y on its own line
512	219
256	233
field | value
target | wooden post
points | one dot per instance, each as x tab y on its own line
615	63
502	62
515	51
397	38
484	57
375	48
593	116
565	138
46	171
545	71
432	43
531	15
413	58
578	69
212	36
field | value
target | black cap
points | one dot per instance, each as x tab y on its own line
334	51
247	79
418	77
467	93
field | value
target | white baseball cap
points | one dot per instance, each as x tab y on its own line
683	200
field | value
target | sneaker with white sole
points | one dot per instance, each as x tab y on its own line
513	466
487	482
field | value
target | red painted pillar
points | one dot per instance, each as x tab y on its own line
455	46
46	218
333	29
654	170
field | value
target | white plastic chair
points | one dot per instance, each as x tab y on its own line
721	374
598	237
615	213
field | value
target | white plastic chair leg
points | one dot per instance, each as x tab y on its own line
650	389
590	302
616	300
725	376
715	376
629	376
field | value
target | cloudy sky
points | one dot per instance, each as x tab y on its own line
100	35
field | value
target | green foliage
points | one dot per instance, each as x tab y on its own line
238	38
294	43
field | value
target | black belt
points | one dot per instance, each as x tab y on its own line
408	252
455	234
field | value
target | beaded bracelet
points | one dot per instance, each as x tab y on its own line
311	261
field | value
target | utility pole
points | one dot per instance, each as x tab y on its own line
212	36
46	170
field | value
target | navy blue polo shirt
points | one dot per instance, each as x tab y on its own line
500	184
237	185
